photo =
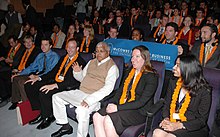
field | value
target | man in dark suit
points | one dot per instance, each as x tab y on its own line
30	14
157	33
37	36
6	64
60	78
21	60
123	29
135	19
170	37
208	49
97	23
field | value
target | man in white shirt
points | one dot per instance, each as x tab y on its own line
97	81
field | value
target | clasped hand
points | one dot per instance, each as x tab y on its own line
170	126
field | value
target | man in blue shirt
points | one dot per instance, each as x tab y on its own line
43	63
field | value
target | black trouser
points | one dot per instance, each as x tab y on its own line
39	100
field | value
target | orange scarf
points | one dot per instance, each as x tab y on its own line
186	13
135	19
126	84
66	68
25	58
189	37
202	49
184	106
150	14
155	33
16	50
198	22
94	20
55	38
87	45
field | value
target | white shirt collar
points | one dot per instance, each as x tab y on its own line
103	61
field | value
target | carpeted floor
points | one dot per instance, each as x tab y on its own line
10	128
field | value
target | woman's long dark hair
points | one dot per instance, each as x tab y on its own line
192	74
145	54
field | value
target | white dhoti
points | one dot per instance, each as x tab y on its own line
73	97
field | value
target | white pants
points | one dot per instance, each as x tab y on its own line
73	97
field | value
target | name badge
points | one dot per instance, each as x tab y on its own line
61	78
176	116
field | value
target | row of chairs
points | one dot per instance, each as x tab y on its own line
154	114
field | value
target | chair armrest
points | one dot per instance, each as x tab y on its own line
150	114
155	108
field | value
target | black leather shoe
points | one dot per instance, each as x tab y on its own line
62	132
13	106
46	123
36	120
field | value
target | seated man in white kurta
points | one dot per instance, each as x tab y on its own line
97	81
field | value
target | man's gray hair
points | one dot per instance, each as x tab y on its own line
105	45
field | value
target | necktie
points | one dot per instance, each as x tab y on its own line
161	31
156	22
119	28
62	72
11	56
44	68
208	51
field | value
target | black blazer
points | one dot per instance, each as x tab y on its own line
198	111
92	45
38	38
69	81
18	56
31	16
16	60
144	96
213	62
123	31
32	57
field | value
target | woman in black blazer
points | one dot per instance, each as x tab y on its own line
129	105
187	103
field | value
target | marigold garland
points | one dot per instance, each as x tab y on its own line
87	45
66	68
174	100
202	49
126	84
25	58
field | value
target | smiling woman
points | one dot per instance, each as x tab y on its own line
187	103
132	100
